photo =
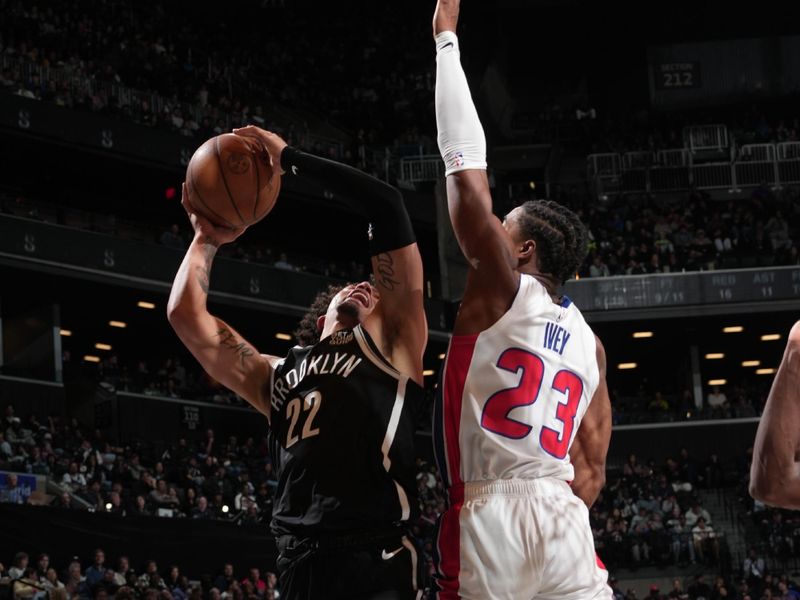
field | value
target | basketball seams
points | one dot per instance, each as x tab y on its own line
210	210
225	181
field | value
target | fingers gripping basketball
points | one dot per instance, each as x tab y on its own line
231	182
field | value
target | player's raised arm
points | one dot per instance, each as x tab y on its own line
485	243
396	261
775	472
223	353
590	447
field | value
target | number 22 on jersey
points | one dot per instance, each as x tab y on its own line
497	408
310	404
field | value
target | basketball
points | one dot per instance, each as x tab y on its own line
231	182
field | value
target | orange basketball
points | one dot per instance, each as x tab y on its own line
231	182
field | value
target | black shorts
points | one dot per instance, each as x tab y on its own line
357	567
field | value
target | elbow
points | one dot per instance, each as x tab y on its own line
763	490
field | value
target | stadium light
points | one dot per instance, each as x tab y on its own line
101	346
765	371
733	329
626	366
225	508
642	334
770	337
714	356
91	358
283	336
109	506
65	332
118	324
427	372
717	381
143	304
751	363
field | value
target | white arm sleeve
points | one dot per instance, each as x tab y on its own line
462	142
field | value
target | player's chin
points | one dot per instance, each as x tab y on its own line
349	310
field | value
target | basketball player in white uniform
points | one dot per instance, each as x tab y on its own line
523	419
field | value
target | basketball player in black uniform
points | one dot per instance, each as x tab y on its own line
340	405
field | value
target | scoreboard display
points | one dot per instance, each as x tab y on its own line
686	289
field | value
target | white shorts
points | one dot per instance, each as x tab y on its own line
518	539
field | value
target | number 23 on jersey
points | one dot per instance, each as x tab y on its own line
497	408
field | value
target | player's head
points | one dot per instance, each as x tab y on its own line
549	237
346	305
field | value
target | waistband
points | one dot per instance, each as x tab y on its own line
328	542
545	486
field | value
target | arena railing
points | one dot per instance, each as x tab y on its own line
417	169
700	138
752	165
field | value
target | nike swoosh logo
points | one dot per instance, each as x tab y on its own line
447	45
389	555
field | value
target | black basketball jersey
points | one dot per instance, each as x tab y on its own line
342	437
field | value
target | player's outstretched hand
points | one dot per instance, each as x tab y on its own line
445	18
216	234
273	143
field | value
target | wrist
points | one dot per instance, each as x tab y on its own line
287	155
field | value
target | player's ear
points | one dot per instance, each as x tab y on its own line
526	249
320	323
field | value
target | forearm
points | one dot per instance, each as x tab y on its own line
462	142
376	200
588	482
190	288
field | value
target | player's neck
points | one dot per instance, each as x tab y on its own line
548	281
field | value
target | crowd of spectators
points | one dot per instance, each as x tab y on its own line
164	66
637	235
209	478
37	578
651	514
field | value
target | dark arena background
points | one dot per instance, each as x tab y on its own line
672	129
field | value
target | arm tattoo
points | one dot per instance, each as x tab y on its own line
228	340
384	274
204	271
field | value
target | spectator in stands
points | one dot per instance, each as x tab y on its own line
682	541
254	579
50	580
225	579
161	496
697	512
599	268
5	448
12	492
283	263
140	507
73	480
245	497
123	574
97	571
150	579
705	541
202	510
753	569
19	565
75	582
717	402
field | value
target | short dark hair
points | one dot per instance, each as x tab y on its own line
561	238
306	333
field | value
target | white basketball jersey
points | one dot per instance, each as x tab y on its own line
512	397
